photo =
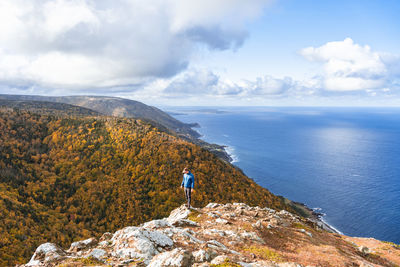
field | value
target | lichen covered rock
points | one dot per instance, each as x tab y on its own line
175	258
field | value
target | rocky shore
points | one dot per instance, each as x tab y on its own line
222	235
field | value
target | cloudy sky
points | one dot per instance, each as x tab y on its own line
208	52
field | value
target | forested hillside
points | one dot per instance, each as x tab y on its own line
112	106
64	178
115	106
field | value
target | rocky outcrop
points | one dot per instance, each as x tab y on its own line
47	253
221	235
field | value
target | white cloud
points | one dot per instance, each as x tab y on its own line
192	82
269	86
197	82
349	66
92	44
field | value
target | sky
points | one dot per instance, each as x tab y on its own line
209	52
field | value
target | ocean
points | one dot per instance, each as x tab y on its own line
344	162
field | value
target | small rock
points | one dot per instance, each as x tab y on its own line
212	205
156	224
364	264
188	234
215	231
230	215
221	221
274	221
178	214
201	255
364	250
258	224
253	236
269	210
213	215
98	254
289	264
220	259
203	264
216	244
228	206
184	223
176	258
83	244
104	244
284	212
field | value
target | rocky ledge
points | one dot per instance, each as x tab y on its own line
222	235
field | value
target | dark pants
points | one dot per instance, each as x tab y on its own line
188	195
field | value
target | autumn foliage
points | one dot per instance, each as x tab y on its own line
65	178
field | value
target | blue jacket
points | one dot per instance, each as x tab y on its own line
188	180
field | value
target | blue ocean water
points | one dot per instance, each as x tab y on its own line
345	161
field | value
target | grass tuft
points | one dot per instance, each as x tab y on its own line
265	253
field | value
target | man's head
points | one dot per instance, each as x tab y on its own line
185	170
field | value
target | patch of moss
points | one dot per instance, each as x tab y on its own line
265	253
90	261
137	263
298	225
226	263
194	216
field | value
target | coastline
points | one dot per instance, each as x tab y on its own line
218	150
221	151
319	220
313	216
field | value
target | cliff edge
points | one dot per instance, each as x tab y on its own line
222	235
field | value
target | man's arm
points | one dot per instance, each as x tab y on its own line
183	179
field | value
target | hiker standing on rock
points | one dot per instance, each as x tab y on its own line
187	185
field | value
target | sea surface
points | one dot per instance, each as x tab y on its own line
345	162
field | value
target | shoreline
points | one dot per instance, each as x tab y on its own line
229	150
221	152
314	216
319	220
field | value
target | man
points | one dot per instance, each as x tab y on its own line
187	185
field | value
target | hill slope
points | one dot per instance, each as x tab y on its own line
64	178
222	235
120	107
115	106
